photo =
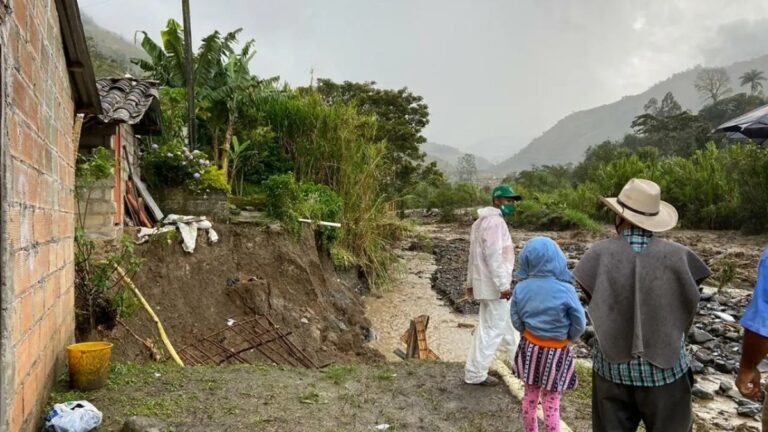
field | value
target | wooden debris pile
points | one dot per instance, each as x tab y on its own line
415	340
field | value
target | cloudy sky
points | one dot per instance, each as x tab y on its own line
487	68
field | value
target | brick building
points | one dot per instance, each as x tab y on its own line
45	79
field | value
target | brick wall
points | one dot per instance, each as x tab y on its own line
38	199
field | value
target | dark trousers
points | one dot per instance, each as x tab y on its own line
620	408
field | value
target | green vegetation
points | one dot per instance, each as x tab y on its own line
337	152
100	297
340	374
714	184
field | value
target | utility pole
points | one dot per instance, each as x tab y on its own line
192	125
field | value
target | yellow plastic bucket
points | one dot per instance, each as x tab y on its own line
89	365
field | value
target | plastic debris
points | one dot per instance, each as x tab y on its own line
77	416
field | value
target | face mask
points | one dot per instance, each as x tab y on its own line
507	209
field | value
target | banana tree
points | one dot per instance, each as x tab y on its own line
225	94
166	60
240	150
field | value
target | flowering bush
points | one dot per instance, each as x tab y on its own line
173	165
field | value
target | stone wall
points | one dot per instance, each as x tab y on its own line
38	210
178	201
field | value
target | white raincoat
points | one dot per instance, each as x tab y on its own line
491	263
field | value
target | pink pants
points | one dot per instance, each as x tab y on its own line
550	401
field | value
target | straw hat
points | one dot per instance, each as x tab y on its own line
640	203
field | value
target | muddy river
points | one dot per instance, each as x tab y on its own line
448	335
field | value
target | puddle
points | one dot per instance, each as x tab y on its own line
410	296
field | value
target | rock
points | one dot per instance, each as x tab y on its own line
750	410
763	366
725	387
699	336
746	428
704	357
741	402
733	336
724	367
724	316
143	424
696	366
707	296
702	394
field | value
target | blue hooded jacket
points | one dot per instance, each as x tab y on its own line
544	302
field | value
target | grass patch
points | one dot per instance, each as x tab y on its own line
311	397
583	393
385	376
157	408
340	374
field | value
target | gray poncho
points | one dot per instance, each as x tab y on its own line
642	303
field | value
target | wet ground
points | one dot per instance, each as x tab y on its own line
732	257
449	333
414	396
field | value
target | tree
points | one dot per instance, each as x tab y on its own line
668	107
713	83
401	116
467	168
166	61
677	135
753	78
731	107
652	106
225	91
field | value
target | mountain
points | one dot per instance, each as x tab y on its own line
447	157
569	138
111	53
498	149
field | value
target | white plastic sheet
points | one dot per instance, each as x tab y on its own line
77	416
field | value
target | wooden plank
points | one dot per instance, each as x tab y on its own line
421	337
157	214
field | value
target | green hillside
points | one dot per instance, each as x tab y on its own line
110	52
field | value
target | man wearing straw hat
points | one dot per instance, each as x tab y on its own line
643	294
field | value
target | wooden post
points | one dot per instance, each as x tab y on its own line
190	77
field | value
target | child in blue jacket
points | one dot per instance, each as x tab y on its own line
546	311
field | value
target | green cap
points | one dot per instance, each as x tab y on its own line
505	191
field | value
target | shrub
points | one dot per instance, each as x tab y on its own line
287	201
173	165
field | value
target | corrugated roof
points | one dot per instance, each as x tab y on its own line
129	100
78	60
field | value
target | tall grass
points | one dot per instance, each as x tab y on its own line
333	145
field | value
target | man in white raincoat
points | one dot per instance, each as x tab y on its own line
489	280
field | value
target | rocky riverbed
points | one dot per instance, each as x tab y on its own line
715	339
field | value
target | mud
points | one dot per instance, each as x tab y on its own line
251	270
449	333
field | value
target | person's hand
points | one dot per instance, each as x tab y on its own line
748	383
506	294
